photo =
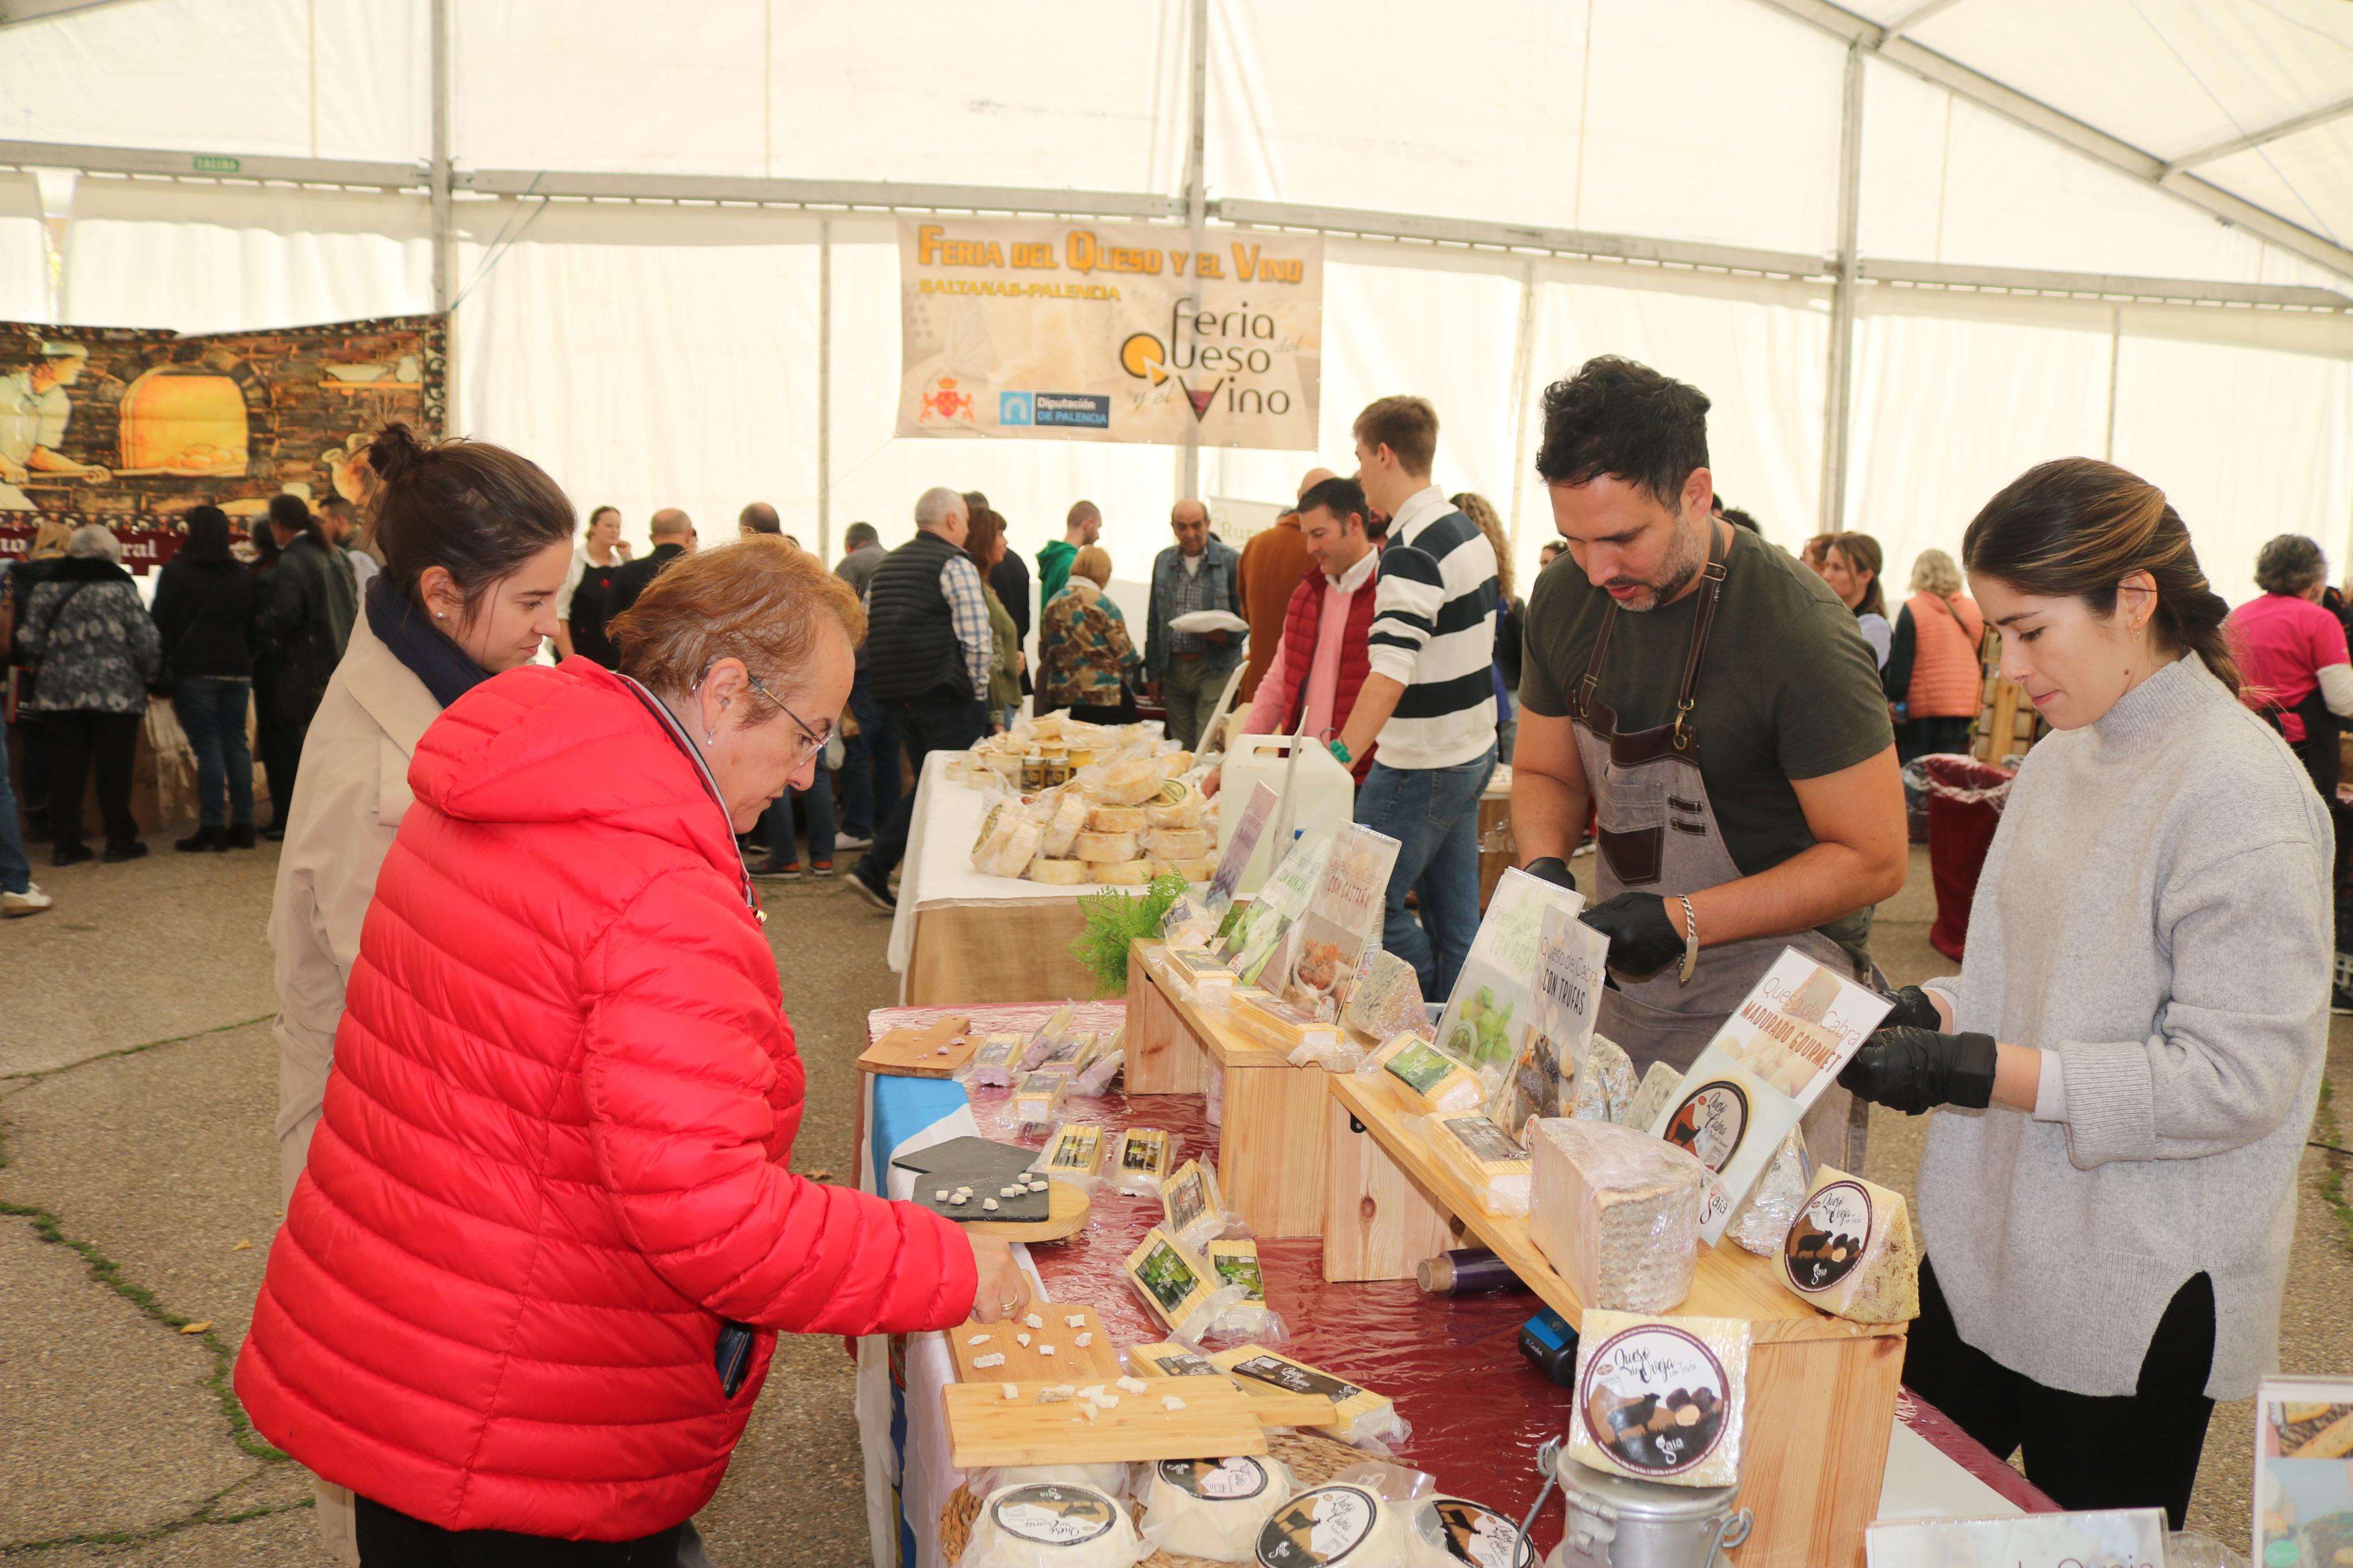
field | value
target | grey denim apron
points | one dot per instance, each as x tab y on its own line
1657	834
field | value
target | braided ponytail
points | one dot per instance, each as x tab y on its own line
2077	527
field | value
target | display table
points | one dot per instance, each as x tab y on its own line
1478	1411
960	937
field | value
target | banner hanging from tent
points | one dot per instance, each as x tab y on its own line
130	426
1108	333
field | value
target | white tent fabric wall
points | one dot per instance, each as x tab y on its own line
24	252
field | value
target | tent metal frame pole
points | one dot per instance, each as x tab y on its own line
1196	206
2116	365
1839	401
445	248
1522	364
825	389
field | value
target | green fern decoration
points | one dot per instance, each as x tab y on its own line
1113	920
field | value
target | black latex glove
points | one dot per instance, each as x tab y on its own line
1555	869
1913	1009
1912	1070
1644	939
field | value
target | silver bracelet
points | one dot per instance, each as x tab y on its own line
1690	940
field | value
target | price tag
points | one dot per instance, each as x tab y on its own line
2111	1538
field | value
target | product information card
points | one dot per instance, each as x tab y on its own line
2116	1538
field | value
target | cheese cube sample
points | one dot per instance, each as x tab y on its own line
1851	1252
1616	1211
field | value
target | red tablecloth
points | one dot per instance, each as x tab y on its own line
1478	1409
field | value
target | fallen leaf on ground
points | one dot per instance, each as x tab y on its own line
820	1176
242	1247
195	1328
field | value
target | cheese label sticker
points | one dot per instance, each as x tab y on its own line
1216	1480
998	1052
1240	1269
1830	1237
1487	1143
1294	1379
1140	1152
1055	1515
1169	1278
1317	1528
1183	1364
1421	1067
1185	1199
1474	1533
1711	1122
1653	1399
1075	1151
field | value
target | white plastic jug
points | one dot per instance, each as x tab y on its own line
1322	796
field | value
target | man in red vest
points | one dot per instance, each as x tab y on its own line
1322	663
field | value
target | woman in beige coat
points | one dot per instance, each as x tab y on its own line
476	542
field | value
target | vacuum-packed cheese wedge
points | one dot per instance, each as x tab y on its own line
1851	1252
1435	1082
1014	855
1120	873
1039	1096
1116	819
1495	1169
1073	1154
1660	1081
1356	1413
1212	1508
1334	1524
1058	873
1661	1399
1451	1532
1616	1211
1104	846
1265	1017
1069	816
1176	843
1169	1359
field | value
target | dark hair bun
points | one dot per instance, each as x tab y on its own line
395	453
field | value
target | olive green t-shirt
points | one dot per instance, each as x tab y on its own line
1789	690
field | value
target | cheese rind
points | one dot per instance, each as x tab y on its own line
1616	1211
1116	819
1059	873
1120	873
1105	847
1851	1252
1176	843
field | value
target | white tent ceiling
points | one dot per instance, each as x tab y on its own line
2108	225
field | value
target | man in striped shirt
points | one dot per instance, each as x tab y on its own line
1429	701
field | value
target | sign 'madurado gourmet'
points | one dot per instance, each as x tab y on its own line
1108	333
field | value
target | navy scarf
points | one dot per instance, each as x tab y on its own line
430	655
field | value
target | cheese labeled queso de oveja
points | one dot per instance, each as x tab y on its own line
1661	1399
1851	1251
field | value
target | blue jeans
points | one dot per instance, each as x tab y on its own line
212	711
869	766
817	809
15	873
1433	814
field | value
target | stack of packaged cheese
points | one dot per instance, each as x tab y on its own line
1119	820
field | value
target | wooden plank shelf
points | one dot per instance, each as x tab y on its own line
1821	1391
1272	1145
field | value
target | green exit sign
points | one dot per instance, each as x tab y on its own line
213	164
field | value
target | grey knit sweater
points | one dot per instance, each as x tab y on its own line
2156	909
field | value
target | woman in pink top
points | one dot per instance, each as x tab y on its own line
2293	654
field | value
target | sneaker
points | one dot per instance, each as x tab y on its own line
31	901
853	841
134	851
769	872
71	853
202	839
880	898
820	867
275	833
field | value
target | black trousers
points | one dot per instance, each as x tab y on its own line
76	739
923	726
389	1538
279	740
2132	1450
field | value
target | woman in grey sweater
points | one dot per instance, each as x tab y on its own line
2130	1057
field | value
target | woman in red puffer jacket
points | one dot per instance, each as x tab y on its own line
550	1189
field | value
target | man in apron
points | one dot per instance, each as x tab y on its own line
1712	701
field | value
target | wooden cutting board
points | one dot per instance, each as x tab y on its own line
1097	1362
987	1429
939	1049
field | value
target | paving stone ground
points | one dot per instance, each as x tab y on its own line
137	1081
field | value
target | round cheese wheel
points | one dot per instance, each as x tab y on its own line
1117	819
1191	870
1178	843
1336	1524
1070	816
1212	1507
1179	804
1453	1533
995	832
1120	873
1019	850
1053	1524
1105	847
1131	781
1059	873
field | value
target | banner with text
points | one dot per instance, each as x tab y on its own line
1108	333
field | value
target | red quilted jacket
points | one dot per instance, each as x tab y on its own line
554	1152
1303	619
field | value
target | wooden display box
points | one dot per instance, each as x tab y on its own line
1271	1143
1821	1391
